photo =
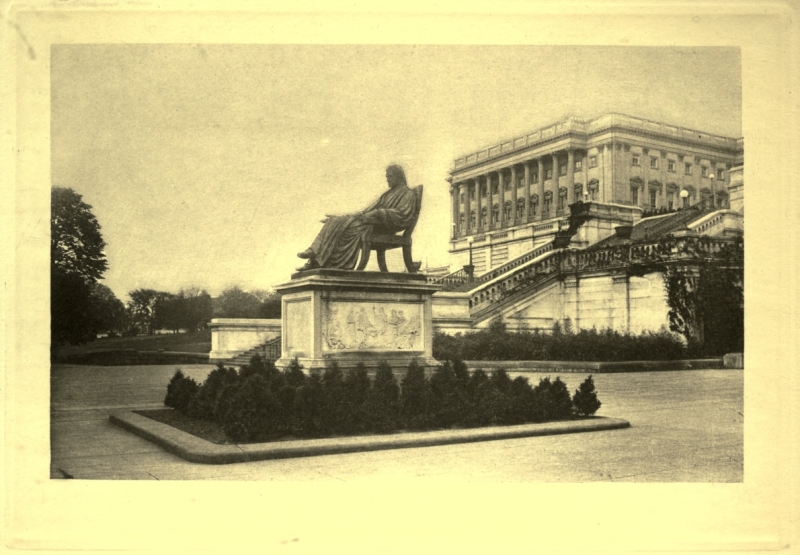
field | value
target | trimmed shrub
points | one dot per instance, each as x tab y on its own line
309	409
356	390
500	380
180	392
585	399
551	400
204	403
294	375
334	417
416	399
382	403
521	401
258	365
252	412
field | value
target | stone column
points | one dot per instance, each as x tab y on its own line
555	182
478	202
454	191
713	177
467	205
513	194
570	176
502	187
541	187
527	178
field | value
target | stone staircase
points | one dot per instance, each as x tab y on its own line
271	350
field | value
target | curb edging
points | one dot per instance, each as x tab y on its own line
195	449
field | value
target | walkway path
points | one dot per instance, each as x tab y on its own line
686	426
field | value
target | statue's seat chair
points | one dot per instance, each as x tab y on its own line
380	241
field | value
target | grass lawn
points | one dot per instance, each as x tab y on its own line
194	342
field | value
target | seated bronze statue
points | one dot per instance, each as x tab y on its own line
343	238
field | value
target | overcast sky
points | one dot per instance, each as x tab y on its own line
212	165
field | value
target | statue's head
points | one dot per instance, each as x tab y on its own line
395	175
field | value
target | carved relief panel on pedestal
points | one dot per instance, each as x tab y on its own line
372	326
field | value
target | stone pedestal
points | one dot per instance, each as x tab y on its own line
351	317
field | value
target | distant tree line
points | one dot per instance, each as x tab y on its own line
81	307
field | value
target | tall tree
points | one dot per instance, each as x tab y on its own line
77	261
110	311
142	307
236	303
196	308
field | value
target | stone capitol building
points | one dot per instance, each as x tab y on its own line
574	188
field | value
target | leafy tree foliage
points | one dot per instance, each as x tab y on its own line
110	311
707	301
77	261
76	244
142	307
236	303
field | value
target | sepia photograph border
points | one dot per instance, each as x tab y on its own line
445	515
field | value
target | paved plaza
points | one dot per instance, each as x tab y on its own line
686	426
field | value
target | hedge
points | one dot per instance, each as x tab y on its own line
261	403
496	343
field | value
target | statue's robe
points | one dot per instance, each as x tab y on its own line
341	238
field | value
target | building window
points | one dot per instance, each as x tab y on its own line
635	195
670	200
548	173
562	170
484	211
520	208
483	189
593	194
562	201
635	160
535	177
578	165
704	171
653	162
507	211
687	169
472	219
462	198
670	166
653	198
472	193
592	161
546	207
520	180
720	174
507	182
495	214
532	209
461	222
495	186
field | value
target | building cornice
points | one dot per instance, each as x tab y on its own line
586	130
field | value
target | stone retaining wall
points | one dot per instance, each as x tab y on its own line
566	366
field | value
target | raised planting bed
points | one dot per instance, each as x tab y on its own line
196	449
